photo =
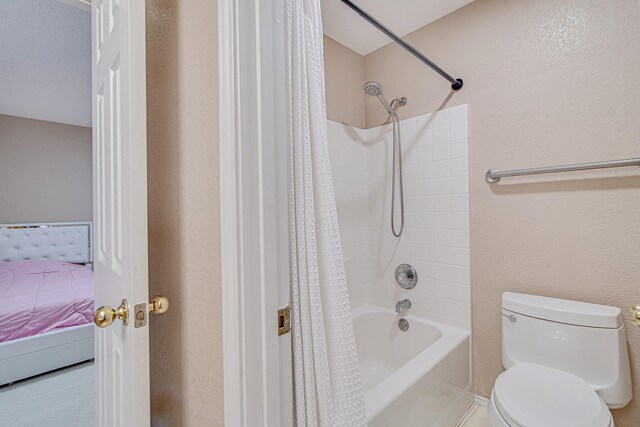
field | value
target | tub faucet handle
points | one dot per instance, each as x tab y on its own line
405	304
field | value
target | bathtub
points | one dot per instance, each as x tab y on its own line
419	377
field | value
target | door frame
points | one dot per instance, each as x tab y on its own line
253	212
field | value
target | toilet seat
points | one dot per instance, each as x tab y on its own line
528	395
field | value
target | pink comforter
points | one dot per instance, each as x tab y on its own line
41	296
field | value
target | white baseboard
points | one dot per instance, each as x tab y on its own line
482	401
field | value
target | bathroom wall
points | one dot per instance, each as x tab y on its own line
348	154
184	237
436	234
344	76
546	82
45	171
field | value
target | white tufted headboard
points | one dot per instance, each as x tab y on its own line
63	241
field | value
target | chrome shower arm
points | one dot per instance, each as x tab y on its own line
385	103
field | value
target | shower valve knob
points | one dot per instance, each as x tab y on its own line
406	276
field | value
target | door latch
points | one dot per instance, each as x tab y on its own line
158	305
284	320
140	315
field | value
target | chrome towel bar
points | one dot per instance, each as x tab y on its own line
494	175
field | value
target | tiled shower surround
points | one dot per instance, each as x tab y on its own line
436	233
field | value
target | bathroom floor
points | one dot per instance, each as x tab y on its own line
476	416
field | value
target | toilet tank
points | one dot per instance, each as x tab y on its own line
587	340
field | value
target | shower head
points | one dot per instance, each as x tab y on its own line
375	89
372	88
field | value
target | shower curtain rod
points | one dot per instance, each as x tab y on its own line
456	84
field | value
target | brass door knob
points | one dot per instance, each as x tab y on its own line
105	315
634	314
159	305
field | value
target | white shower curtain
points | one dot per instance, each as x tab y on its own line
326	376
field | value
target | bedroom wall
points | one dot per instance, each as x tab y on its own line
547	82
184	238
45	171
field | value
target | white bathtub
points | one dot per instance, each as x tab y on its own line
415	378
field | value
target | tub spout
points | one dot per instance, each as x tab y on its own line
403	305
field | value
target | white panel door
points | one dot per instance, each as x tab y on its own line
120	209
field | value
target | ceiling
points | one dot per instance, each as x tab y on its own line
45	61
402	17
45	49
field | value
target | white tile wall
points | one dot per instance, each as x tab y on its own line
436	235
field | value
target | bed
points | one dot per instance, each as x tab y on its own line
46	298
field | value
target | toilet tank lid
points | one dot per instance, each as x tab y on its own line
562	310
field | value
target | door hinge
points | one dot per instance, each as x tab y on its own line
284	320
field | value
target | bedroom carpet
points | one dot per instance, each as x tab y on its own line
60	398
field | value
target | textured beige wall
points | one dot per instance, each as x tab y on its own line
45	171
547	82
344	77
184	242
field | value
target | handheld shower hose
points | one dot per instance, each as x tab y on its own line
375	89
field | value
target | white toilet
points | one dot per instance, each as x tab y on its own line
567	364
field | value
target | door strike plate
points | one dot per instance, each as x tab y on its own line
140	315
284	320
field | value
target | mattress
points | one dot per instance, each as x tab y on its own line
42	295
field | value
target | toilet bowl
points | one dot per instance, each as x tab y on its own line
529	395
566	364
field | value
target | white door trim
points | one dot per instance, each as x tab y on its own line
253	213
229	215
